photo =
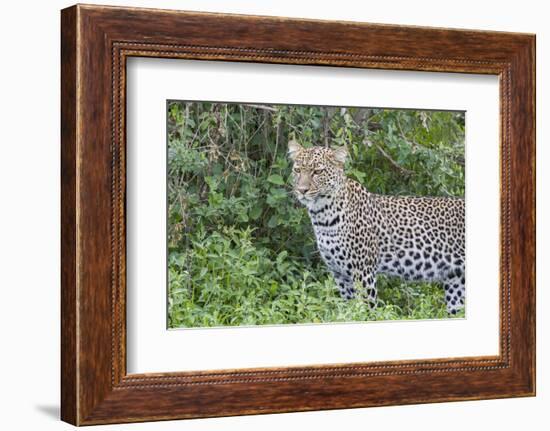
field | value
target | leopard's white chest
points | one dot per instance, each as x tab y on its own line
329	227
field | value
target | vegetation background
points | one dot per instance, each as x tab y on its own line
241	250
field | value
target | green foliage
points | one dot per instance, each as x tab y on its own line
242	250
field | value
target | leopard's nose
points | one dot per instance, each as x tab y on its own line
302	189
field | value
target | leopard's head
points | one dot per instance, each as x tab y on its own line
317	171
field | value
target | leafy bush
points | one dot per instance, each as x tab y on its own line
241	250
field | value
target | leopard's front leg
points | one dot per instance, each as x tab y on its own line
365	277
345	284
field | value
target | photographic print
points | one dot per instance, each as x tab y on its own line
286	214
261	198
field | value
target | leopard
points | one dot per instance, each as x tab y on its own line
360	234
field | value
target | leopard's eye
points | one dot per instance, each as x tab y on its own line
296	169
317	171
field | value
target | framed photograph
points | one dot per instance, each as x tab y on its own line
264	215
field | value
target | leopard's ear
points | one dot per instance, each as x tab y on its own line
340	154
293	149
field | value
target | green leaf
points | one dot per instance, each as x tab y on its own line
273	221
276	179
282	256
256	212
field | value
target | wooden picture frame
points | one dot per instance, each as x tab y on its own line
95	43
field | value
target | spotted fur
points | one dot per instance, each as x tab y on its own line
361	234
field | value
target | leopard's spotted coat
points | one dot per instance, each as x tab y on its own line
361	234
